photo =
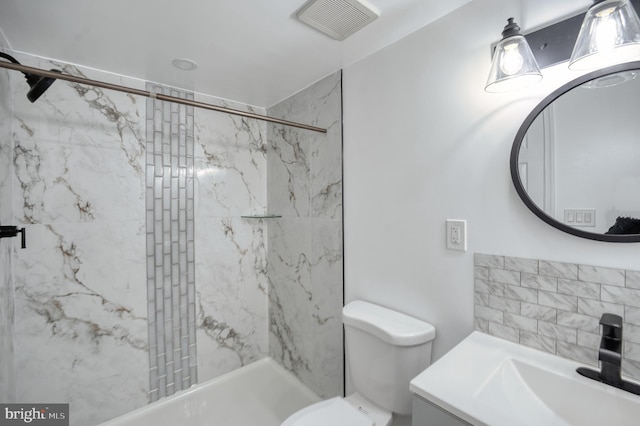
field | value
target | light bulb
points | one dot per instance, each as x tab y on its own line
512	61
606	31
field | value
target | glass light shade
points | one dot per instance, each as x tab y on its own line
513	66
610	34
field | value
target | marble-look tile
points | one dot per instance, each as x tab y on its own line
89	315
503	304
560	305
481	299
487	287
559	269
305	168
481	325
536	341
481	272
589	340
489	260
621	296
231	252
632	279
536	311
326	258
631	315
631	369
565	334
6	149
579	288
504	277
78	179
231	293
578	353
305	276
231	164
596	308
631	332
70	143
578	321
520	293
520	322
554	300
289	164
290	296
597	274
319	104
504	332
489	314
631	351
6	281
305	246
539	282
521	265
326	154
7	373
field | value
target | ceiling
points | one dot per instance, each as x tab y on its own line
252	51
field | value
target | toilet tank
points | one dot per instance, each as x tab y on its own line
385	350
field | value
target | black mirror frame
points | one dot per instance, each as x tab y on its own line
515	151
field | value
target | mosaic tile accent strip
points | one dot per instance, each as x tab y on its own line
556	307
170	244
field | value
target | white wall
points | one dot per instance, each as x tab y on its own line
423	142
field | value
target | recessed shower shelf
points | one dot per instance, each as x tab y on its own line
261	216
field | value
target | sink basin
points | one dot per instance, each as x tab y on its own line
489	381
555	399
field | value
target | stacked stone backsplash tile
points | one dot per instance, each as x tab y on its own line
556	307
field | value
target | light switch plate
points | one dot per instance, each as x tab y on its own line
457	234
580	217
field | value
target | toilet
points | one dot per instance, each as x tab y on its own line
384	351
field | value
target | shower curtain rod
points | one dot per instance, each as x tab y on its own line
148	94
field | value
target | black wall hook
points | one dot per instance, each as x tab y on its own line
13	231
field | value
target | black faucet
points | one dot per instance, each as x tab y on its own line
13	231
610	356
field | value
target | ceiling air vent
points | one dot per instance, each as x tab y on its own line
337	18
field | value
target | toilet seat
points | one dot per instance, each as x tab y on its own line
335	412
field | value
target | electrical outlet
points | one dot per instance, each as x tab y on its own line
457	234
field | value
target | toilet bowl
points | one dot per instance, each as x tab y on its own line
385	350
350	411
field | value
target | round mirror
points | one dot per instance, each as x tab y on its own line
575	161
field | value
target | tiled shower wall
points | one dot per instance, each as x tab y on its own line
6	284
80	293
77	182
556	307
230	251
305	245
73	171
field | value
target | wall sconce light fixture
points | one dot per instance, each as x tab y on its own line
610	34
513	66
607	34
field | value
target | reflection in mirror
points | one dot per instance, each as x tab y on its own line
576	159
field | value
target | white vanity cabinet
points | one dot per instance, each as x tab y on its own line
426	413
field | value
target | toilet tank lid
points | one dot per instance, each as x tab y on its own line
388	325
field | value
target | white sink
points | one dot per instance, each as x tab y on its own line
489	381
